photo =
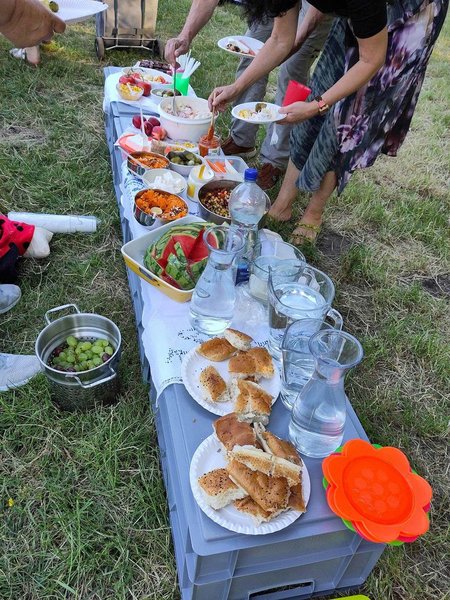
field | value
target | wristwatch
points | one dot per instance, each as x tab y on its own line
323	106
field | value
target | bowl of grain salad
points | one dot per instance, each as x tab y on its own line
213	200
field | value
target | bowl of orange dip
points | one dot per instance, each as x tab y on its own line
150	205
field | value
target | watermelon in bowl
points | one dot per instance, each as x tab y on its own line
157	256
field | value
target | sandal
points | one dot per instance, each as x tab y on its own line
298	239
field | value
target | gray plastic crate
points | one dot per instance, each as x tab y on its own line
213	553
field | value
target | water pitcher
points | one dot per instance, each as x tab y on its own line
214	296
318	417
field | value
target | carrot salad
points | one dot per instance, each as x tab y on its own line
172	206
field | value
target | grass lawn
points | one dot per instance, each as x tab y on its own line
89	519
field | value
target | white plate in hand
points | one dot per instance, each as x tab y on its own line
241	41
193	364
273	118
75	11
208	456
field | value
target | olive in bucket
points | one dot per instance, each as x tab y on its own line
80	354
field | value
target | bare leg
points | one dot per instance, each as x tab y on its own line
282	207
309	225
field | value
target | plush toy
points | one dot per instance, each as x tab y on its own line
19	239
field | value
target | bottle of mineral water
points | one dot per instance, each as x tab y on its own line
248	204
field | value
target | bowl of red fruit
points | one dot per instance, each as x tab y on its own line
152	127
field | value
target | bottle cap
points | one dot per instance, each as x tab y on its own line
251	174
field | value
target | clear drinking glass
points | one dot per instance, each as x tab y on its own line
271	253
214	296
295	294
297	360
318	416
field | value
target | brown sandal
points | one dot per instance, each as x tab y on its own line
298	239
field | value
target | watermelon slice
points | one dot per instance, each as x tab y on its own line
180	255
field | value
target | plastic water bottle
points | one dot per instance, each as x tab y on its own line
248	204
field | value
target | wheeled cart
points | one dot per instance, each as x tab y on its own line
127	24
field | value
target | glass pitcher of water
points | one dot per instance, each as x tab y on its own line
318	418
214	297
298	293
297	362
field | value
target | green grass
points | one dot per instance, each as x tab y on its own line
89	520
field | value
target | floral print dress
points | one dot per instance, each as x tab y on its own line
377	117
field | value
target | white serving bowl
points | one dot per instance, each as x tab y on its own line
154	97
149	178
178	128
183	170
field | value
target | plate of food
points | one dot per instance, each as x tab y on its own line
257	112
241	45
247	479
227	374
75	11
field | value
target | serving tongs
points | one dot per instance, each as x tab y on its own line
210	134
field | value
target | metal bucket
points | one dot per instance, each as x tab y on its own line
84	389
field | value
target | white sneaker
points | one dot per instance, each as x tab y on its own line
9	296
17	369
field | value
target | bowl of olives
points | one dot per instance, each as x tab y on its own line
183	162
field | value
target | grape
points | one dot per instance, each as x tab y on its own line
71	341
70	359
78	349
89	354
87	346
105	357
90	364
97	349
83	356
63	356
109	350
97	361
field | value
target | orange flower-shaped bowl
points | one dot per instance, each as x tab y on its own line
376	490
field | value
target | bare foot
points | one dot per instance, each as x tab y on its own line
281	210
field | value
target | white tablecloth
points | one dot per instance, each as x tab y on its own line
168	335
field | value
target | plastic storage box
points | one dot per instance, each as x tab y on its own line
323	552
314	556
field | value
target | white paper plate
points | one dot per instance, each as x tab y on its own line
251	106
253	44
149	74
209	456
75	11
193	364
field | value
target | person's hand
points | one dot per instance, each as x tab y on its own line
28	22
175	47
221	97
298	112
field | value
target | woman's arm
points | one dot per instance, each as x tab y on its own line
372	55
270	56
200	13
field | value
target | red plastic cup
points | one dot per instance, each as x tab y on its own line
295	92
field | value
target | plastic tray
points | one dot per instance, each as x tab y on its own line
133	253
236	162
